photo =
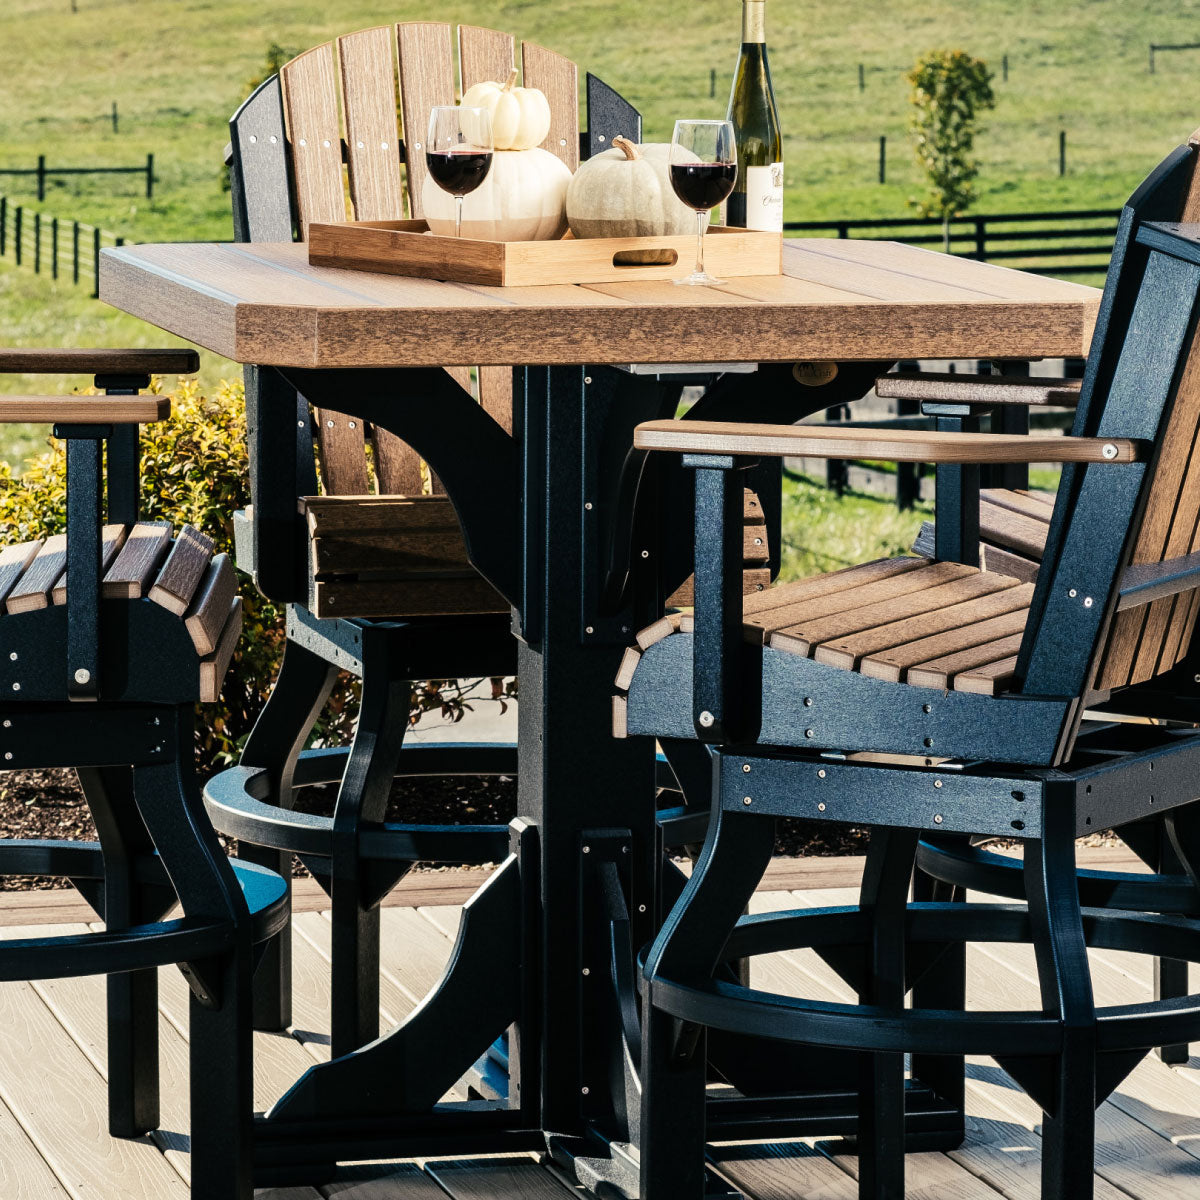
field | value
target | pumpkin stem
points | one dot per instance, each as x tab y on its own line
632	154
512	79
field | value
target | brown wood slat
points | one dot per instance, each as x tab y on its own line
1021	502
495	394
1191	203
84	410
1013	530
988	680
183	571
1136	637
214	667
1046	498
397	465
368	77
73	361
629	662
426	51
1005	562
33	589
805	635
754	544
484	54
333	516
812	607
657	630
112	538
953	620
428	597
558	78
343	453
425	535
620	717
893	663
211	605
310	105
755	581
939	672
13	562
978	389
823	585
145	546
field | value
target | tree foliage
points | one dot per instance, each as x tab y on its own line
949	90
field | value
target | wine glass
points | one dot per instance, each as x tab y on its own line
458	151
703	172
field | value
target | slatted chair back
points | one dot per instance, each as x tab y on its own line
1142	380
344	93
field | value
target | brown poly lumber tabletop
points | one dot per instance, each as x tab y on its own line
837	299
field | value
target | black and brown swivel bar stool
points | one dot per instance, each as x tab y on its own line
892	695
110	633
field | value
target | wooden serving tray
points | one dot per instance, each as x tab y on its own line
408	248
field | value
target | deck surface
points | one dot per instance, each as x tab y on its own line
52	1101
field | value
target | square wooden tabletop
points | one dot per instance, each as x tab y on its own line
836	299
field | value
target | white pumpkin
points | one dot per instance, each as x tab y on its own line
626	192
520	116
523	199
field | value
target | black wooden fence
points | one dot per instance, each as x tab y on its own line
61	248
1076	242
43	172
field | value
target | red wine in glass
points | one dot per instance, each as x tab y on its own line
703	185
460	172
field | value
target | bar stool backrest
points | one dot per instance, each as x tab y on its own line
1142	380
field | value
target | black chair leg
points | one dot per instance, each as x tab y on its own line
221	1007
1069	1103
884	895
734	858
1170	974
133	1070
362	797
942	986
301	689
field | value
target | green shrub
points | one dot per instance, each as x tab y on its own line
195	471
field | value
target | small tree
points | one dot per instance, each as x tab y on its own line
949	90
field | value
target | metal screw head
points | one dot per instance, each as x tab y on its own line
641	908
706	719
587	506
808	702
937	783
745	768
821	806
809	733
645	553
12	656
747	800
83	675
1109	451
8	756
1072	593
16	687
7	724
587	970
927	708
583	1091
821	773
587	849
587	379
1087	602
937	820
589	629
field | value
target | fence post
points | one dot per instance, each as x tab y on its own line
54	248
114	116
150	176
843	229
41	177
712	82
17	233
883	158
1151	58
980	239
95	264
1062	152
75	252
3	225
862	78
1004	68
37	243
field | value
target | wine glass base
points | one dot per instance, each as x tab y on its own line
699	279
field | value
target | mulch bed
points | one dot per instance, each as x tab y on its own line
49	804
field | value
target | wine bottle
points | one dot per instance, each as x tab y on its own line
757	198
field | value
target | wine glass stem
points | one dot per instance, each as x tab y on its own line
700	242
458	203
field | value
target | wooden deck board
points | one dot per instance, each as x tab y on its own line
52	1069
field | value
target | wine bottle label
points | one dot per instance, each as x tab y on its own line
764	198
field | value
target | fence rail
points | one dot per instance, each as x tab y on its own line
1022	239
43	172
52	244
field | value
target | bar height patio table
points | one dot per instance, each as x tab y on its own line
547	520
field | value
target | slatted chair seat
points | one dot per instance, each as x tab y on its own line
142	561
905	620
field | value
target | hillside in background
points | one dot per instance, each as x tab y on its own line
176	70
